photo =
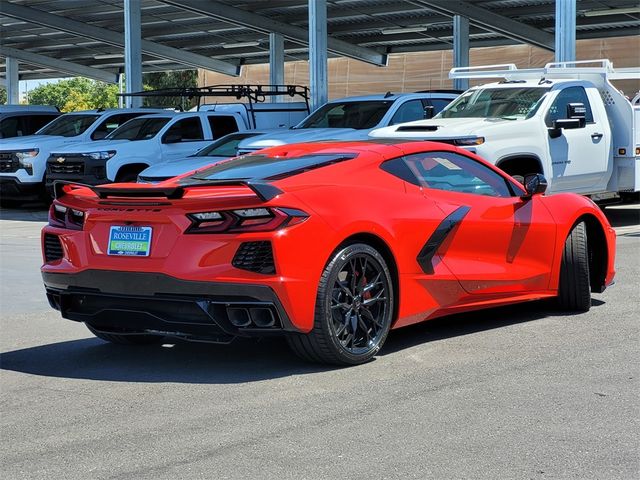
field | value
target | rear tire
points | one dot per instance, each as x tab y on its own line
574	292
354	309
137	339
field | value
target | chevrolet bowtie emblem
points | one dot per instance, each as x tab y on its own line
60	159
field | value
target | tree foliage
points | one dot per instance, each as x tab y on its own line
75	94
3	96
170	79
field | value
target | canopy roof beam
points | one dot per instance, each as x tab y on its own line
59	65
493	22
110	37
221	11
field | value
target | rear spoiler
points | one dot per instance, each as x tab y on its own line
264	191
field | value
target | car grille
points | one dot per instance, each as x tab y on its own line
70	165
8	162
52	247
255	257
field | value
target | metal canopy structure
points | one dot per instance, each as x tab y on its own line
53	38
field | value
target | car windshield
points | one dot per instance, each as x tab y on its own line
268	168
69	125
139	129
227	146
509	103
358	115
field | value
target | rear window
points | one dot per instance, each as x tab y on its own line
253	167
226	146
357	115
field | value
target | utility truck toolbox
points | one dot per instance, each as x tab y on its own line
566	120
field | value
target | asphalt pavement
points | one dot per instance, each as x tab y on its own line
522	392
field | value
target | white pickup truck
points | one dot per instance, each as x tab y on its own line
566	121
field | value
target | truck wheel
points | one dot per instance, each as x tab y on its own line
574	292
125	339
354	309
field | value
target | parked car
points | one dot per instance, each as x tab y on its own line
567	121
23	120
23	160
353	118
329	245
138	144
221	149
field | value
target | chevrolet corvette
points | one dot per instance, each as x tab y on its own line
330	245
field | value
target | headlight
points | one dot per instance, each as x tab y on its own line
100	155
469	141
24	157
25	154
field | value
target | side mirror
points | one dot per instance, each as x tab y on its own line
428	111
576	118
172	138
534	184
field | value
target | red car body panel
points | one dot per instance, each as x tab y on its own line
505	250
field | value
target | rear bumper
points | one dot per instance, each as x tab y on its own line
157	303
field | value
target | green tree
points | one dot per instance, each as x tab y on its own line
3	96
75	94
170	79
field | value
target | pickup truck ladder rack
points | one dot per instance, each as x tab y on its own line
252	93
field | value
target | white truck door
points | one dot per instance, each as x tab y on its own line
579	156
183	138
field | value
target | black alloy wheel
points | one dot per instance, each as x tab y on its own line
354	309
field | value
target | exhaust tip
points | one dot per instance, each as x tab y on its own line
262	317
239	317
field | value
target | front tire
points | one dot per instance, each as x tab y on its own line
125	339
574	292
354	309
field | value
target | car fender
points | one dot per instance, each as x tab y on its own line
117	162
568	209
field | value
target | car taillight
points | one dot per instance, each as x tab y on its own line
65	217
245	220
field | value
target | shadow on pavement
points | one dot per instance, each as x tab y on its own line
474	322
30	212
196	363
241	361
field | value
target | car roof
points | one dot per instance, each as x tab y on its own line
105	111
395	96
28	109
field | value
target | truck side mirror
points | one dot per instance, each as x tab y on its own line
428	111
576	118
534	184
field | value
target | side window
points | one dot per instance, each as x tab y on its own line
9	127
439	104
110	123
449	171
222	125
408	112
187	129
558	109
36	122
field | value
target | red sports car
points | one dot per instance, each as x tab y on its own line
329	244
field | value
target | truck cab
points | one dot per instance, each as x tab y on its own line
138	144
567	122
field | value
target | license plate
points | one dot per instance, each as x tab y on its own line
132	241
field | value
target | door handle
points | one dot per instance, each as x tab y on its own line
597	136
